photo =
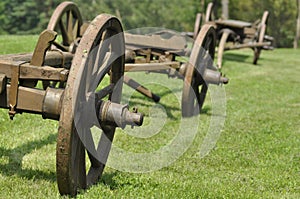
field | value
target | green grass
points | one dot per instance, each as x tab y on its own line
256	156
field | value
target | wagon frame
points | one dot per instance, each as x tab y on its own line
236	34
71	72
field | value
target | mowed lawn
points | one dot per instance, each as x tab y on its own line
257	153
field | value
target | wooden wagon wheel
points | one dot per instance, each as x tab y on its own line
100	44
201	58
209	16
221	47
260	36
197	25
66	20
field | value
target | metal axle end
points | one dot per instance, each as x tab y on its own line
119	115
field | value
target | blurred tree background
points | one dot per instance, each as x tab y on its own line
32	16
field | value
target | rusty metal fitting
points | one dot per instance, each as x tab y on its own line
119	115
182	69
129	56
214	77
52	103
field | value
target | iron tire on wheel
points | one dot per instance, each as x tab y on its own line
201	58
83	79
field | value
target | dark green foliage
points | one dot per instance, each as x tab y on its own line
32	16
25	17
176	14
282	18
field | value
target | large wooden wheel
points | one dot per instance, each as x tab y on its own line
194	87
260	36
197	25
209	16
221	47
99	54
66	20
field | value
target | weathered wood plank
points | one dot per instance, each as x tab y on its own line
233	23
53	58
156	41
151	66
29	99
32	72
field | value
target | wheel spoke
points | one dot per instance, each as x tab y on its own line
103	60
78	165
103	48
75	31
202	94
96	72
95	171
70	25
60	46
64	33
208	43
104	92
197	100
206	61
99	72
105	142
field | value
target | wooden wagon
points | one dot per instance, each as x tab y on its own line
236	34
81	68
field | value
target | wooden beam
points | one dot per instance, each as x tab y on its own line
53	58
29	99
28	71
156	41
151	66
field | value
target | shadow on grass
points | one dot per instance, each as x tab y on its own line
206	110
139	99
107	179
234	57
15	156
237	57
112	181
